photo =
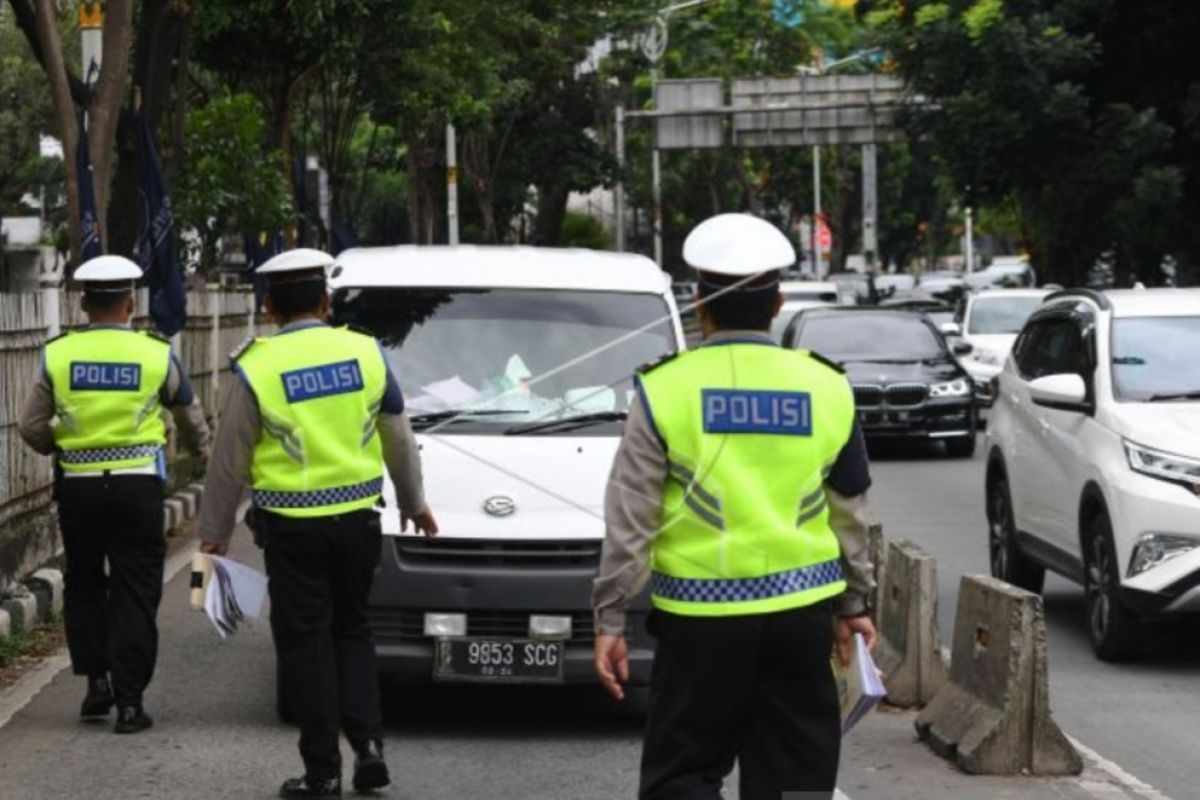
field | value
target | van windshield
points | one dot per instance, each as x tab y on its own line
508	356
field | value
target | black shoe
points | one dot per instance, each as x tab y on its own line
370	771
304	787
99	700
132	719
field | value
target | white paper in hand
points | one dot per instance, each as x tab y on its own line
235	592
859	686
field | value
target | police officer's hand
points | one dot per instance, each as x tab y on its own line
612	663
214	548
844	629
422	523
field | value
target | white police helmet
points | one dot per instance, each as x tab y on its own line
737	245
111	273
301	259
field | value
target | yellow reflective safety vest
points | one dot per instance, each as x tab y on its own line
751	430
319	391
107	383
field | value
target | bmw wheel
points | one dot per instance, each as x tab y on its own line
1112	627
1008	563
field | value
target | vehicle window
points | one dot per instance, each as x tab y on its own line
521	355
1053	347
871	337
1154	358
994	315
810	297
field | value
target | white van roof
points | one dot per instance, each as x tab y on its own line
506	266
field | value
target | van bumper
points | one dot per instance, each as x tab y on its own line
498	585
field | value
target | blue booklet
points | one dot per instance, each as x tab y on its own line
860	687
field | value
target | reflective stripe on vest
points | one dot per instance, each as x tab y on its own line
319	391
106	384
751	431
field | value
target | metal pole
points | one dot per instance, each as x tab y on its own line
656	180
619	189
816	222
870	204
451	184
970	248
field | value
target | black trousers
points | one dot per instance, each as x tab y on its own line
320	573
110	617
755	689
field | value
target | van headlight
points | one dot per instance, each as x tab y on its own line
958	388
1153	549
1164	466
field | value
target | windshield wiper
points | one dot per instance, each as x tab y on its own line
1192	395
567	423
422	421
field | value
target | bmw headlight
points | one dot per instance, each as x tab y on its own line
958	388
1153	549
1164	466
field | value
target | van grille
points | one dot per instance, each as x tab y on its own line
466	552
393	624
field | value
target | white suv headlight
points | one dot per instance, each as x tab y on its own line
958	388
1164	466
1153	549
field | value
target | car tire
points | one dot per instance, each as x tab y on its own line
961	447
1114	630
1008	563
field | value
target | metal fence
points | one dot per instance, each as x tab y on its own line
218	320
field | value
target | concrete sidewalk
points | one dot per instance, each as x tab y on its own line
216	737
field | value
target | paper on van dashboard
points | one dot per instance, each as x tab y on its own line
860	687
454	392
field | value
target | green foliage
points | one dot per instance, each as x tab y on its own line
24	115
229	184
1083	113
583	230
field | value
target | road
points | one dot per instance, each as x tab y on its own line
216	735
1143	716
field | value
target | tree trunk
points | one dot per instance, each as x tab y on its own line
478	166
107	96
413	158
552	209
64	113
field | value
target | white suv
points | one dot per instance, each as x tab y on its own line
990	323
1093	464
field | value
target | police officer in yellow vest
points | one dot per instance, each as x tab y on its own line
739	491
97	407
309	426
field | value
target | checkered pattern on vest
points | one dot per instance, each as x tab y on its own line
731	590
100	455
319	497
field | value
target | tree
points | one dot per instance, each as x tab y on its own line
40	22
1083	113
231	185
24	115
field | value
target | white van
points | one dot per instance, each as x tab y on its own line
516	365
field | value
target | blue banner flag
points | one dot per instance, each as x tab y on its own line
156	237
258	248
90	245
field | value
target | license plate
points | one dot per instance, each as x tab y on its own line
498	660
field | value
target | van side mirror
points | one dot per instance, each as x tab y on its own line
962	348
950	329
1065	392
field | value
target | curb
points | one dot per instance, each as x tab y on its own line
38	599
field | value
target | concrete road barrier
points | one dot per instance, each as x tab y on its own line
878	550
908	651
993	716
22	609
47	584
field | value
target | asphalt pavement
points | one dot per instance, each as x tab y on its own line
1142	716
216	735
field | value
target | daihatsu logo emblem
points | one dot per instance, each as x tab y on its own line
500	505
